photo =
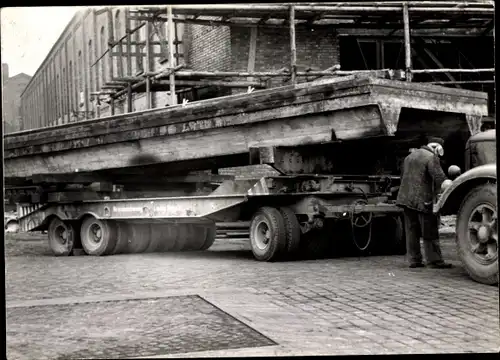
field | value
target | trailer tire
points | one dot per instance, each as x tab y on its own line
267	234
139	238
480	268
98	236
62	237
292	229
209	236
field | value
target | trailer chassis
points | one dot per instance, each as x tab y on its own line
285	213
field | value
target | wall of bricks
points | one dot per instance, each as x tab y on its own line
209	47
317	49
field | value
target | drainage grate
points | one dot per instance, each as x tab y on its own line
129	328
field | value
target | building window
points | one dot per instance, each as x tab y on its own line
58	93
80	78
70	78
64	94
139	49
91	61
118	25
103	60
119	47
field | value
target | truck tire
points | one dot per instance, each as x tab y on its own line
267	234
98	236
209	236
62	237
292	229
477	234
389	237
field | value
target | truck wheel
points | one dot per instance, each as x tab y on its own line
209	237
292	229
62	237
389	236
267	234
477	234
98	236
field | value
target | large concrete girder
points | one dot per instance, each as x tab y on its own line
305	114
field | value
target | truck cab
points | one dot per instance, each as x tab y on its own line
472	197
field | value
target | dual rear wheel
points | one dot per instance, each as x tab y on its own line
275	234
100	237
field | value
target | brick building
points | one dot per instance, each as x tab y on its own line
12	88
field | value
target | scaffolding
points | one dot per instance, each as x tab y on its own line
419	19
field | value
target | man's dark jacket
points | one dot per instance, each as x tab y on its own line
421	180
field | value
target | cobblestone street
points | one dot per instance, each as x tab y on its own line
224	303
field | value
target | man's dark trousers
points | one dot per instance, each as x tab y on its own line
426	225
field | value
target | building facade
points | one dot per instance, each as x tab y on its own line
12	88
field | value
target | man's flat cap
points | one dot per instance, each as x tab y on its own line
437	140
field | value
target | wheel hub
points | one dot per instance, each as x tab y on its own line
262	235
96	233
483	233
62	235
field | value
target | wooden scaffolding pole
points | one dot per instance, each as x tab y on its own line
171	59
129	42
406	23
293	49
147	67
110	49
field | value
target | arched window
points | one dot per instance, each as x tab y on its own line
91	69
70	78
105	58
118	25
80	78
119	47
139	59
58	96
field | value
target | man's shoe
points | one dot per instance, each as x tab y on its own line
440	265
416	265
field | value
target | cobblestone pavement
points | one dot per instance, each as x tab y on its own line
374	305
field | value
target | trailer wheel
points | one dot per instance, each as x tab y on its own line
267	234
62	237
292	229
98	236
477	234
209	237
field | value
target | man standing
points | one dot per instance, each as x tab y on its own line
421	179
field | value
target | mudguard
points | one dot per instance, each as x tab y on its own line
488	171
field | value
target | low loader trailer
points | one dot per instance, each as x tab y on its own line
148	181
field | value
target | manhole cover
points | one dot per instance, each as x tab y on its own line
121	329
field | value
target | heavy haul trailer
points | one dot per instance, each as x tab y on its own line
120	184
